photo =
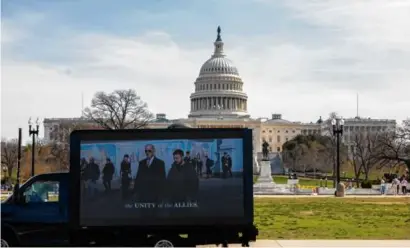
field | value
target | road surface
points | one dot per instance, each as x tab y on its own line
327	243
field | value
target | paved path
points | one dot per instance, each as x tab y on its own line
318	196
327	243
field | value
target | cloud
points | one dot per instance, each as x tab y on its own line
381	24
302	80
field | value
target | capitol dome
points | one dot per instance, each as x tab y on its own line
218	88
218	64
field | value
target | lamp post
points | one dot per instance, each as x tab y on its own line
337	125
33	132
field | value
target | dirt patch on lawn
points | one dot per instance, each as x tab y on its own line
388	203
306	213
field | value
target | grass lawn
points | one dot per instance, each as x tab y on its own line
333	218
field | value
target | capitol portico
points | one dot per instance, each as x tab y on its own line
218	101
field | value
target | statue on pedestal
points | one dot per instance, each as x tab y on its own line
265	151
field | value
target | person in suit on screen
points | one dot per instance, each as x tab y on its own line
182	182
91	175
188	159
150	178
198	165
225	165
229	161
209	163
108	173
125	176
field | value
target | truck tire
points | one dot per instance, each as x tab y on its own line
164	243
8	238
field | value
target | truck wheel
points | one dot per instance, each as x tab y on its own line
8	239
4	243
224	244
164	243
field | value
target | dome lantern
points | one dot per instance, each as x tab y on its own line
219	45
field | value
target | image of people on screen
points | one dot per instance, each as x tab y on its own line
90	175
148	179
125	176
108	173
182	182
226	165
198	165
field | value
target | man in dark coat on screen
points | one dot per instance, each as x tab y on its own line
225	165
125	176
229	160
92	174
150	178
209	163
108	172
188	159
182	182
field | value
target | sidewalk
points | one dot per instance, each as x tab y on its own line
319	196
327	243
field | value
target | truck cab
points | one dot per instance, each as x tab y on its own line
37	212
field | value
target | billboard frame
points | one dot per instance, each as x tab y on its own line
79	136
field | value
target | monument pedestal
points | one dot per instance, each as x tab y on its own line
265	172
264	184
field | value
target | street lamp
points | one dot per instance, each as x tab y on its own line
337	125
33	132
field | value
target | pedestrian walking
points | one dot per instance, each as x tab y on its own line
395	186
382	186
403	184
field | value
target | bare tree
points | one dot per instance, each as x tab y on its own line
357	167
9	151
365	150
395	146
59	152
121	109
40	153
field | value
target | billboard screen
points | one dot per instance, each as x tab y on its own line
187	181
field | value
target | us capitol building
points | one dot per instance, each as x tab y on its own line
220	102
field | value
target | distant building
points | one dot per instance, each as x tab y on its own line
220	102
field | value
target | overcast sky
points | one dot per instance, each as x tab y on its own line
302	58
